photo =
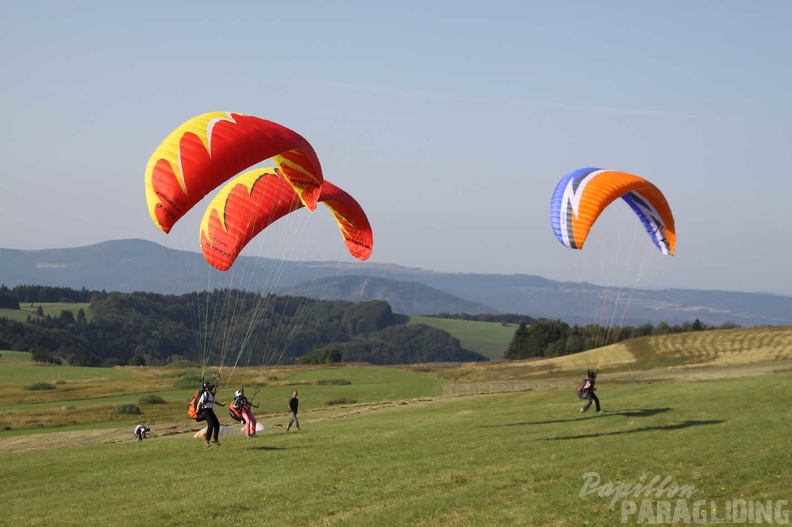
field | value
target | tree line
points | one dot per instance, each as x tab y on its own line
554	338
151	329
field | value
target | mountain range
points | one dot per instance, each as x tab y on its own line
138	265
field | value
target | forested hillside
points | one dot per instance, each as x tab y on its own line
220	327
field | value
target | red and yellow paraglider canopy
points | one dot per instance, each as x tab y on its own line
209	149
252	201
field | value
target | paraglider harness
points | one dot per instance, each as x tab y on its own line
582	390
193	409
235	408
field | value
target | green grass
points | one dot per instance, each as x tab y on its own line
507	459
404	455
368	384
14	356
79	390
491	339
32	373
53	309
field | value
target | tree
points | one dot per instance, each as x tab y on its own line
8	300
333	356
41	355
137	360
574	344
518	346
662	329
321	356
66	316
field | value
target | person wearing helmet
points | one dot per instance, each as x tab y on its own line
243	407
206	403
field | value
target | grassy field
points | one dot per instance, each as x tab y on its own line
14	356
52	309
488	338
506	459
415	446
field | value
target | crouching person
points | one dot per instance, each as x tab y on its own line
141	432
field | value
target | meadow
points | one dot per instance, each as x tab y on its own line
53	309
402	446
491	339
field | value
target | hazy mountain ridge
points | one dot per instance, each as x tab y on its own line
138	265
404	297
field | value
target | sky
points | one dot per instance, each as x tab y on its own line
450	122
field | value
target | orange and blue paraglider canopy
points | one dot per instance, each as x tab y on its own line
582	195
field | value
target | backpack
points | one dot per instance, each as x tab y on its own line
193	410
582	392
235	410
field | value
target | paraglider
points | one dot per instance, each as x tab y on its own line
211	148
252	201
242	412
198	158
582	195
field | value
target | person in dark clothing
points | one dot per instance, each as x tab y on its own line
206	403
587	389
293	405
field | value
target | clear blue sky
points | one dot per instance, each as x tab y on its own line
450	122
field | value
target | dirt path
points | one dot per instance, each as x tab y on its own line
29	442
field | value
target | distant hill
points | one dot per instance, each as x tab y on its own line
403	297
137	265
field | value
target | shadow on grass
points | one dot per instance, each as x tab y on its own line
677	426
639	412
266	448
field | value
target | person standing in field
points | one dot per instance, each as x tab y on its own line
293	406
206	403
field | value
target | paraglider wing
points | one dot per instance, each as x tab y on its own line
582	195
209	149
252	201
224	431
243	208
229	431
352	220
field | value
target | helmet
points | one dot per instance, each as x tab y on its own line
238	393
208	386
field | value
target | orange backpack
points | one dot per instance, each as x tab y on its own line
193	410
